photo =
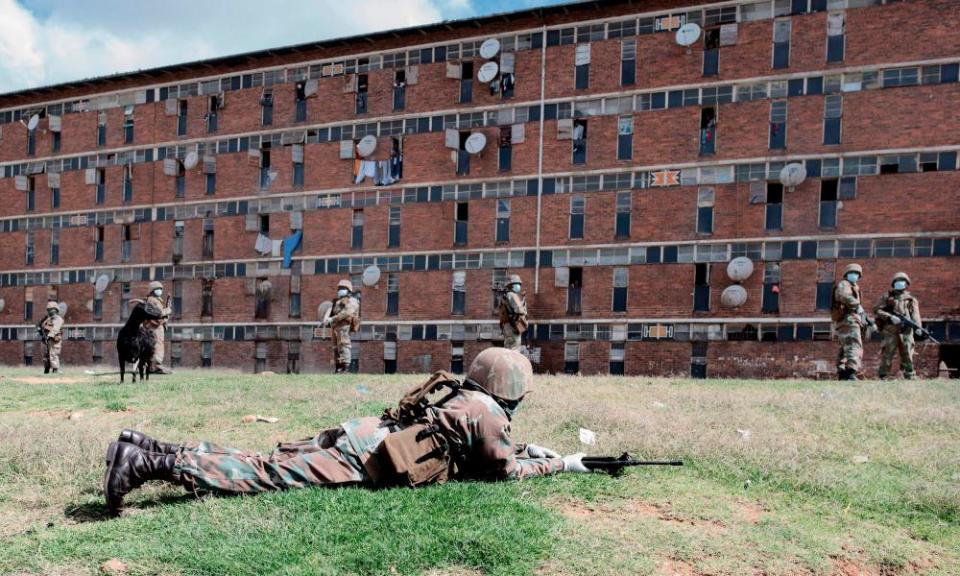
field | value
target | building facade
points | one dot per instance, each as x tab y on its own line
620	173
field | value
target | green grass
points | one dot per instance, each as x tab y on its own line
831	479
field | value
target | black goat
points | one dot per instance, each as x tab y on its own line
136	342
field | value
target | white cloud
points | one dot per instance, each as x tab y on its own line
55	42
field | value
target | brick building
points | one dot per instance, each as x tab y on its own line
621	173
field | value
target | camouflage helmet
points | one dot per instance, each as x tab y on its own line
502	373
345	284
900	276
853	268
514	279
155	285
51	305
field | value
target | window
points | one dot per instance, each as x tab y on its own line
54	143
503	221
264	227
781	43
28	304
617	357
208	237
266	107
181	118
31	142
212	115
456	357
55	246
582	67
294	301
124	300
705	200
624	209
579	141
128	127
835	36
825	277
466	82
708	131
625	138
505	149
390	357
206	354
300	102
128	184
774	211
828	203
130	233
180	181
459	294
393	234
210	183
901	77
778	125
262	290
571	358
393	294
574	291
176	306
362	93
577	209
461	217
101	183
98	244
711	52
399	90
620	282
102	129
832	115
356	240
31	195
206	298
55	197
628	62
701	288
771	288
178	233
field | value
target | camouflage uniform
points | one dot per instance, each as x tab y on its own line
848	319
159	326
52	332
513	315
345	318
897	338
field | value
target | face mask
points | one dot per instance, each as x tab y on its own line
158	292
852	277
342	292
516	288
900	285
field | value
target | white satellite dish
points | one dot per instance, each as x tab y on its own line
367	145
89	305
688	34
371	275
740	268
792	175
191	160
3	304
101	284
63	308
323	310
489	48
733	296
488	72
33	122
475	142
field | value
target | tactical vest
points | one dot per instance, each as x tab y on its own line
839	310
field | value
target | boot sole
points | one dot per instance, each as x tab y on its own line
111	460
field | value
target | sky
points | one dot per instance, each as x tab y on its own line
45	42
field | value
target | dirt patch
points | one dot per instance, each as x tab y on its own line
750	512
633	508
842	567
50	380
673	567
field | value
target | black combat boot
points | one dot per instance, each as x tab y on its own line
339	369
848	374
129	467
46	368
147	443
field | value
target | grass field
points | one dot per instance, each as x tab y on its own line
782	477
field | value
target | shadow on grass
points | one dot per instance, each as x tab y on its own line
97	511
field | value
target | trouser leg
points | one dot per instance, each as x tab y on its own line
158	350
907	349
887	350
511	338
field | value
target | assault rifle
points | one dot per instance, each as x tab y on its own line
907	323
614	465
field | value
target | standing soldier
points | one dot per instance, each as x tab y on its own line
345	318
513	313
895	306
154	299
849	320
51	330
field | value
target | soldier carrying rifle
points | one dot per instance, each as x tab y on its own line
513	313
51	334
898	320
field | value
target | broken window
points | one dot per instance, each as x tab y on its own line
55	246
835	36
828	203
31	194
625	138
262	293
503	221
399	90
178	234
459	303
356	237
466	82
212	116
578	205
579	135
460	218
393	294
771	288
774	208
101	129
711	52
127	126
362	93
582	67
208	238
701	288
206	354
266	107
628	62
128	183
574	291
98	237
265	171
100	177
181	117
505	149
781	43
206	297
832	116
54	196
620	283
708	131
705	200
778	125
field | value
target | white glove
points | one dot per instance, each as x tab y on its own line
918	332
573	463
540	452
894	320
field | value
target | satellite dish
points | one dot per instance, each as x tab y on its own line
264	287
688	34
733	296
191	160
63	308
102	282
323	310
475	142
792	175
740	268
3	304
488	72
33	122
371	275
489	48
367	145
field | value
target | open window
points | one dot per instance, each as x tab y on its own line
708	131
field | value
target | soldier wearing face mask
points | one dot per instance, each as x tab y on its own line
155	298
513	313
345	318
894	306
849	321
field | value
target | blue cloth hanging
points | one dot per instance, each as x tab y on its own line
290	245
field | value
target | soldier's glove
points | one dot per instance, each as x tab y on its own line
918	332
895	321
573	463
540	452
